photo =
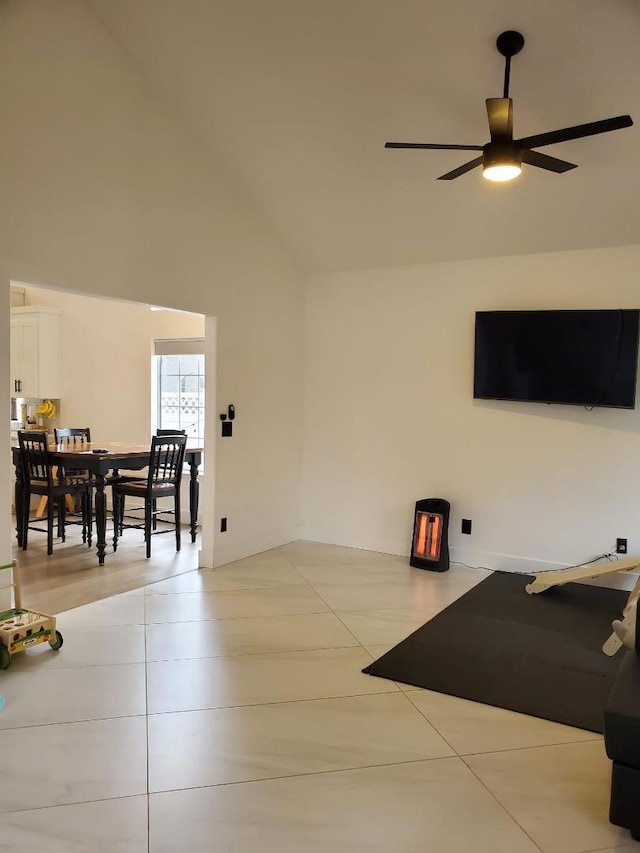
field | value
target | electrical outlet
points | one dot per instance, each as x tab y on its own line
223	525
466	525
621	546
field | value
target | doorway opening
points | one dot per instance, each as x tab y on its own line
89	361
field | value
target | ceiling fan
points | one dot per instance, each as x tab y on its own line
503	156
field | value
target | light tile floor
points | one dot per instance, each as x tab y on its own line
225	710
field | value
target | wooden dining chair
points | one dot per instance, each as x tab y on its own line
73	438
156	511
39	479
70	437
163	481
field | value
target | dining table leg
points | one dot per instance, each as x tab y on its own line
101	517
194	497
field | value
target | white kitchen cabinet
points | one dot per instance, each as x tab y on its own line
35	352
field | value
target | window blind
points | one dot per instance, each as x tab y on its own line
178	346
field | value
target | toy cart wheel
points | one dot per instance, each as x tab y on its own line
56	642
5	657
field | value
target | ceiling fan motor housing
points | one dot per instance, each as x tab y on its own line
501	153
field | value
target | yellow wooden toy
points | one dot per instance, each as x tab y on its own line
20	629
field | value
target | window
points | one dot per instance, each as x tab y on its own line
180	386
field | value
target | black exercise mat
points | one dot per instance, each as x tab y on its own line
537	654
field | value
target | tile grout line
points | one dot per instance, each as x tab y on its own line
596	739
207	707
463	755
71	722
346	627
237	655
280	702
501	804
201	710
214	708
70	805
308	583
309	774
433	725
348	610
303	775
146	715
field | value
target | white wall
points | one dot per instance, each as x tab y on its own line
106	366
105	193
390	416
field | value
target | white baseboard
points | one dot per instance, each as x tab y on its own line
398	549
494	561
531	566
229	551
502	562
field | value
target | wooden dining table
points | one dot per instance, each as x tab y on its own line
100	460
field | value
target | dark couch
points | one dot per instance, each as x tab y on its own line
622	742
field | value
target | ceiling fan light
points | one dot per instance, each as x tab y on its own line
501	172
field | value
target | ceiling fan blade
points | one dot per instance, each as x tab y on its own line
543	161
576	132
500	112
461	170
434	147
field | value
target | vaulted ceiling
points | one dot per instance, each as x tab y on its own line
297	98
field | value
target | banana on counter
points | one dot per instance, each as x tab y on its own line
47	408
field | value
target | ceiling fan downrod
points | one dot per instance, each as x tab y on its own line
502	157
509	44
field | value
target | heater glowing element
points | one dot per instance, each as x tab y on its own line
428	535
421	535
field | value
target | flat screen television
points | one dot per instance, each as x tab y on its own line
586	358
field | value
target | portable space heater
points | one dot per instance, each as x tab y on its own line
430	545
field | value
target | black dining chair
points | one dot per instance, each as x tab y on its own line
38	478
73	438
158	512
163	481
129	478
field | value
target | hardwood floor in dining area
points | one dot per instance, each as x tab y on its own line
71	576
